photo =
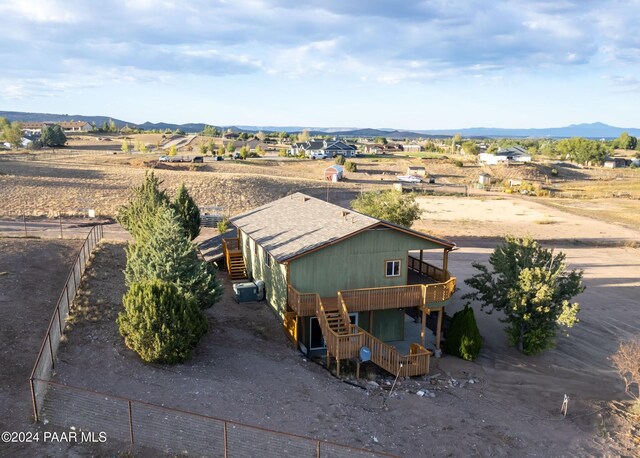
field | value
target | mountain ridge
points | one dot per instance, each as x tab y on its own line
588	130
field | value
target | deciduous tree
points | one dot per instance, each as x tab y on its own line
532	287
391	205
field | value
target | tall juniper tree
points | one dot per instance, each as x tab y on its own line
532	287
187	211
167	254
147	198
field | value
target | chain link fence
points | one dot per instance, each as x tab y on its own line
45	361
173	431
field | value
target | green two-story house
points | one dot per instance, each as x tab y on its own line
339	279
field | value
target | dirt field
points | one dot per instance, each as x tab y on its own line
32	274
246	370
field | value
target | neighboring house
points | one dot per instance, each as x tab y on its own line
35	128
614	162
330	148
411	148
334	173
374	148
340	280
504	156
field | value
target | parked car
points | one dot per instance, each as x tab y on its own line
318	155
163	158
219	158
237	156
409	179
176	159
198	159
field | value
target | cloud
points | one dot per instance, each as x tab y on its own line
388	41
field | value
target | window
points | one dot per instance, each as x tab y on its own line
267	258
392	268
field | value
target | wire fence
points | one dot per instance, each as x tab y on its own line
174	431
45	361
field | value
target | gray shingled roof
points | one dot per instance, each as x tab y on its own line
298	223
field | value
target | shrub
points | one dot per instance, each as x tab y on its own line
340	160
463	337
350	166
458	163
554	172
159	323
223	226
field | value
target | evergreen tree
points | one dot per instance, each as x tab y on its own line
166	253
533	289
137	215
53	135
187	212
160	323
463	337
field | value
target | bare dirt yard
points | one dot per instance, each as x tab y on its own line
245	369
32	273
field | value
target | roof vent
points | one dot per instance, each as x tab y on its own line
305	198
344	213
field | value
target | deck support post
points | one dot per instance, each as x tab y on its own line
357	370
445	265
439	327
337	367
422	330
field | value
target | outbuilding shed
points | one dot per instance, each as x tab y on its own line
334	173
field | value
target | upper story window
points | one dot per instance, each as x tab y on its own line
392	268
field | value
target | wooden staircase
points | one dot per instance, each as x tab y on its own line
344	341
235	261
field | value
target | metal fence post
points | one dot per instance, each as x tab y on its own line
318	450
130	423
226	450
33	400
51	350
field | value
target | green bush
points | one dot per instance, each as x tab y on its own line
159	323
350	166
458	163
340	160
554	172
463	337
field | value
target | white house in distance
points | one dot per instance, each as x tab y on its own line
32	128
505	156
330	148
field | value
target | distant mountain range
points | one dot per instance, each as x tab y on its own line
592	130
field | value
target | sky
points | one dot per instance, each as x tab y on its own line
437	64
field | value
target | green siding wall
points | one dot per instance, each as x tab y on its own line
357	262
388	325
274	276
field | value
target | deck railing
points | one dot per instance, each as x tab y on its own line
391	360
390	297
231	244
429	270
341	346
304	304
439	292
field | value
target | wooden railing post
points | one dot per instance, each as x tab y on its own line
130	422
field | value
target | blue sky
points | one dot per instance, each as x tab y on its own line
367	63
